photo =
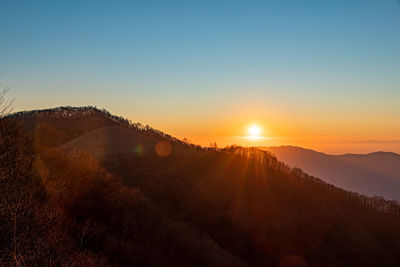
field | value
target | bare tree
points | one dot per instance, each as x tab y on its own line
5	105
214	146
13	193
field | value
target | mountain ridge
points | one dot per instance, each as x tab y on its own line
376	173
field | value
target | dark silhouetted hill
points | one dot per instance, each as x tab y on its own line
102	194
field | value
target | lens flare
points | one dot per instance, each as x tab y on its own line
163	148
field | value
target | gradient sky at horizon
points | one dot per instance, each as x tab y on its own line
319	74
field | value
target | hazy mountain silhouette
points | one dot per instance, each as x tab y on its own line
371	174
83	187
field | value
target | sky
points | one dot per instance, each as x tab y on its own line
319	74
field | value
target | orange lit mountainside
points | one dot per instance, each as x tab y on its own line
80	186
370	174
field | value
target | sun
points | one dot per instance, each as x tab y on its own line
254	130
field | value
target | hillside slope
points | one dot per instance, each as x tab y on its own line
191	207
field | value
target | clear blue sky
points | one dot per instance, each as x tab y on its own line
163	62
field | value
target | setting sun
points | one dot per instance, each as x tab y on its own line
254	130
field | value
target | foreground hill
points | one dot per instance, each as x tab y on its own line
105	195
113	140
371	174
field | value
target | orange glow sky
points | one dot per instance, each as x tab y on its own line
335	136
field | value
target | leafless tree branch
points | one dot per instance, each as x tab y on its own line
5	105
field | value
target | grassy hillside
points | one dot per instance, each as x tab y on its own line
92	197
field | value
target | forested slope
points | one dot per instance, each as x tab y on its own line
195	206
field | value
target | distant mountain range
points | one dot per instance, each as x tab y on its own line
371	174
